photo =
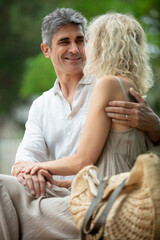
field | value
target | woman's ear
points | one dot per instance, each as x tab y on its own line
46	50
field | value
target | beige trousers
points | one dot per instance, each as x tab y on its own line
26	218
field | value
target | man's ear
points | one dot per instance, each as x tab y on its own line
46	50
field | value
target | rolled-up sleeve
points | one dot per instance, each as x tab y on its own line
152	147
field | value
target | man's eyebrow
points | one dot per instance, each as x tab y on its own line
80	37
67	38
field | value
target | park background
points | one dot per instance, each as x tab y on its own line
24	71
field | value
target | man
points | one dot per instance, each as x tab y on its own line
56	118
53	130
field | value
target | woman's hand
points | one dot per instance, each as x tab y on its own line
33	168
21	165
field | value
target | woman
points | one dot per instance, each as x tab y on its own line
117	53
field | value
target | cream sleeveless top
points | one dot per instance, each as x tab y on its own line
121	148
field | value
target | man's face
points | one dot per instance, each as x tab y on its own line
68	53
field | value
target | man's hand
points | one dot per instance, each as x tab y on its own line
138	115
36	183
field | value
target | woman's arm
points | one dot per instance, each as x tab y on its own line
94	134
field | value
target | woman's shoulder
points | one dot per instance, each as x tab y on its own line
112	82
106	81
110	86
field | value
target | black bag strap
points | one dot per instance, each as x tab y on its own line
102	218
85	229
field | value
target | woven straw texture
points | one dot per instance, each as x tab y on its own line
135	215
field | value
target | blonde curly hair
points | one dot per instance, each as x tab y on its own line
117	46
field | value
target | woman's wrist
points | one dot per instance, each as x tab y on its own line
43	165
46	166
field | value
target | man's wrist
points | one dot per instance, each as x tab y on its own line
154	134
157	125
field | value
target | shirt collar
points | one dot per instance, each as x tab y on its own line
83	81
56	88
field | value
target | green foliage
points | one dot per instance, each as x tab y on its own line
38	77
24	71
154	96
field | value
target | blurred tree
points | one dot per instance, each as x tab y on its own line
20	23
39	76
24	71
14	49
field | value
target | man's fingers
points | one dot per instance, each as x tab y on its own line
120	110
30	184
118	116
45	178
136	95
36	184
21	179
42	183
47	175
122	122
48	184
122	104
125	116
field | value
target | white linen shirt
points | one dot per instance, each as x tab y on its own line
53	129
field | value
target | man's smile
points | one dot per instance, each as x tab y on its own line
73	59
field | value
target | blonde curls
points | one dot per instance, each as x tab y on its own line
117	46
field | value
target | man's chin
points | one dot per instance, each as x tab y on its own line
75	72
75	68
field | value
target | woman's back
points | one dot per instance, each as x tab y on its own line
121	148
120	151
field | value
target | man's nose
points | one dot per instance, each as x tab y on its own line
74	48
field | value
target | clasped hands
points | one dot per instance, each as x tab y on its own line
139	115
36	177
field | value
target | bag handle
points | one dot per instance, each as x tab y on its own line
85	229
95	201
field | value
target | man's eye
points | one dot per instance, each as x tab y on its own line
80	41
64	43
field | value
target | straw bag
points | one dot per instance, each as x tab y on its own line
124	206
